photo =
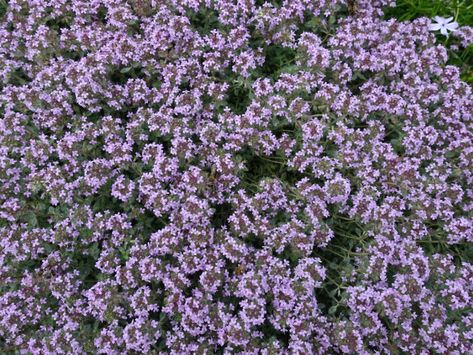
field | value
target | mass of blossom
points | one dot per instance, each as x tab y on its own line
232	177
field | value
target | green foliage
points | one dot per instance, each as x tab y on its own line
3	7
410	9
204	21
277	60
239	96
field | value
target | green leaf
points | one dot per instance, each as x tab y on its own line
31	219
332	310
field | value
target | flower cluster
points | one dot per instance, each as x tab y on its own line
222	176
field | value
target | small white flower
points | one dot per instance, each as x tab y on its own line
444	25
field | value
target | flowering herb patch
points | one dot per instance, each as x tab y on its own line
219	176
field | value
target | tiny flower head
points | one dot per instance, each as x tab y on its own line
444	25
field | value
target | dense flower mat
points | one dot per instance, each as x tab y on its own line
218	176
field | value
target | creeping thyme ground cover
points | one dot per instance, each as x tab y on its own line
219	176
